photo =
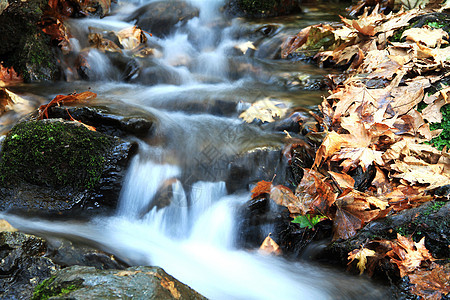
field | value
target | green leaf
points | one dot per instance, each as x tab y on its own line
308	221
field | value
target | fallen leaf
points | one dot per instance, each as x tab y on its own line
170	285
269	246
430	37
5	226
408	255
343	180
245	46
65	99
361	255
266	110
262	187
282	195
431	283
330	145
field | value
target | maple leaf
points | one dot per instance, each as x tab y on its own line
262	187
269	246
432	283
408	255
266	110
430	37
65	99
361	255
353	211
415	170
331	144
343	180
132	37
282	195
314	194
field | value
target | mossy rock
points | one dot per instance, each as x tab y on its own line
55	164
24	46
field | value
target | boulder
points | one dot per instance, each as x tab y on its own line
160	17
55	165
24	46
80	282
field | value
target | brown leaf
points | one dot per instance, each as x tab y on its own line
332	143
343	180
269	246
65	99
315	194
262	187
281	195
170	285
408	255
432	283
430	37
5	101
5	226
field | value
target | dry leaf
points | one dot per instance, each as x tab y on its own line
262	187
170	285
269	246
5	226
343	180
265	110
430	37
361	255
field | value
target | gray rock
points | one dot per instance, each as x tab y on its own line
160	17
83	283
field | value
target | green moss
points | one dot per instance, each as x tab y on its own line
54	154
46	289
443	140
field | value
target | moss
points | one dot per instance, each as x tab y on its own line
46	289
257	7
443	140
53	153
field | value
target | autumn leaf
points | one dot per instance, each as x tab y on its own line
342	180
430	37
331	144
408	255
361	255
269	246
282	195
5	226
431	283
262	187
266	110
243	47
65	99
170	286
314	194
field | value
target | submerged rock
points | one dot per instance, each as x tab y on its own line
55	165
79	282
160	17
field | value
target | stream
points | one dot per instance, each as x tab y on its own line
194	91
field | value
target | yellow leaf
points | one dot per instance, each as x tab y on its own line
269	246
5	226
265	110
245	46
361	255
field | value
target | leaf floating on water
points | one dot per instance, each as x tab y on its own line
269	246
265	110
361	255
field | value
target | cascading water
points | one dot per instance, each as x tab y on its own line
191	232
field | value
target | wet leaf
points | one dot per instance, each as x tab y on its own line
408	255
308	221
282	195
361	255
269	246
266	110
431	283
170	286
261	188
343	180
245	46
65	99
330	145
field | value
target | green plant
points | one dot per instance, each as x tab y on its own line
443	140
308	221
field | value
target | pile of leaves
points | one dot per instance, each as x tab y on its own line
374	127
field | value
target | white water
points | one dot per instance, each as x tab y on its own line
193	238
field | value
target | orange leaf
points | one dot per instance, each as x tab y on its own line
281	195
65	99
431	284
262	187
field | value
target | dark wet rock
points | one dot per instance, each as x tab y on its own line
105	122
242	169
134	283
55	165
429	220
22	264
261	9
160	17
24	46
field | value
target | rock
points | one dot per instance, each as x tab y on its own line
80	282
54	165
22	265
261	9
160	17
24	46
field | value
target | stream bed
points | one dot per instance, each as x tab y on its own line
194	91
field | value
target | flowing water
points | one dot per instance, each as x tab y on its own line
196	73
